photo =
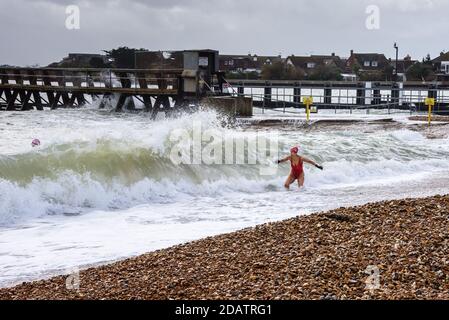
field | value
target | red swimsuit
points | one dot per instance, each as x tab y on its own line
297	169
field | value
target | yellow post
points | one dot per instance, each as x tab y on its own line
430	102
308	101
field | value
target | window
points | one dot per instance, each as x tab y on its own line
311	65
366	63
374	64
445	67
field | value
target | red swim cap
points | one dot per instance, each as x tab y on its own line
35	143
294	150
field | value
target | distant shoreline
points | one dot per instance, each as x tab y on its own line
321	256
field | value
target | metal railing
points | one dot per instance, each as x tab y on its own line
386	104
101	78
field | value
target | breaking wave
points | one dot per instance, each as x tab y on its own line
108	170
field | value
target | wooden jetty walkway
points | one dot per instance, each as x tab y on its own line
160	82
28	88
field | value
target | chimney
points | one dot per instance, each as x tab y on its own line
333	54
352	53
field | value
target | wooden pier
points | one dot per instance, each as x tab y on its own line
30	88
161	81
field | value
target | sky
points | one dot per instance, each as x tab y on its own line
36	31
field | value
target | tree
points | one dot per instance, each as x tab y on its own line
326	73
123	57
356	68
388	73
98	63
281	71
421	71
275	71
373	75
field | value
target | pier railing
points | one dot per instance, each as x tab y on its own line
39	88
91	78
383	97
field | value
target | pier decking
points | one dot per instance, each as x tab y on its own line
28	88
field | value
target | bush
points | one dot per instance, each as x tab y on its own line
280	71
421	72
123	57
326	73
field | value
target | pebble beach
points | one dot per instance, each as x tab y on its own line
386	250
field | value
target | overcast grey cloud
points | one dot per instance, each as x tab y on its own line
34	32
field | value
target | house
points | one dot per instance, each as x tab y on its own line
233	63
366	62
308	65
403	65
441	66
246	63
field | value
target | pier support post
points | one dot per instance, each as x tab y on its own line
328	95
47	82
297	95
7	94
55	103
267	95
12	100
361	94
130	105
241	90
19	80
395	94
161	101
64	95
25	103
120	103
36	94
38	101
377	98
147	102
71	103
433	92
125	101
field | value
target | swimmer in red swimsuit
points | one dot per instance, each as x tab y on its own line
297	172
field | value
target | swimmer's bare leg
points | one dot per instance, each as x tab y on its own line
301	180
289	181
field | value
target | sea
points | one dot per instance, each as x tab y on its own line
104	186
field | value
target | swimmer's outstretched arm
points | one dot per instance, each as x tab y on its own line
313	163
285	159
